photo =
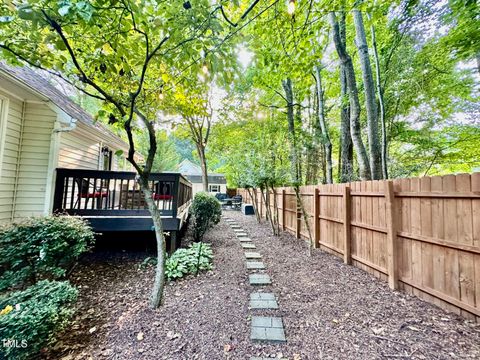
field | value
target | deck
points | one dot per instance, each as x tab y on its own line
112	200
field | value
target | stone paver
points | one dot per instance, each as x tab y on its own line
241	234
238	230
260	300
266	328
244	239
248	245
255	265
259	279
252	255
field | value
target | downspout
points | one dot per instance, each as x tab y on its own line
19	156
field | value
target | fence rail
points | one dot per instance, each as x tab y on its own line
422	235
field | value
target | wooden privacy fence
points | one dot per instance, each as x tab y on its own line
422	235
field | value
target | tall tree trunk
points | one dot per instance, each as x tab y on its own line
203	164
327	144
346	146
355	129
287	86
381	102
370	102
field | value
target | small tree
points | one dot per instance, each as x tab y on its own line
206	212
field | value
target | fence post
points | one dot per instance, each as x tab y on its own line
316	220
283	209
391	234
347	204
297	213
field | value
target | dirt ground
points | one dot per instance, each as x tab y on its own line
330	310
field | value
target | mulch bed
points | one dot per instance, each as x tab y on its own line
330	310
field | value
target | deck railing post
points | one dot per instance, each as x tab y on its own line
59	190
347	256
391	219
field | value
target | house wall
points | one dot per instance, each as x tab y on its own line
10	130
81	149
34	156
197	187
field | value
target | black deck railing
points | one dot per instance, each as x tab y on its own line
116	193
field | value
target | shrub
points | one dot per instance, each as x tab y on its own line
32	318
206	212
41	248
197	256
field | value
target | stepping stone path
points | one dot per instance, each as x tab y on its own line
253	255
259	279
267	328
263	328
255	265
248	245
261	300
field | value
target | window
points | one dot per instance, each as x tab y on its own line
214	188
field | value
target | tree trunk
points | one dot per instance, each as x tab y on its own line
159	283
381	102
287	86
346	146
370	102
327	145
275	206
203	163
255	204
362	157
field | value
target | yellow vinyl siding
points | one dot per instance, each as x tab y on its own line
9	156
33	170
78	150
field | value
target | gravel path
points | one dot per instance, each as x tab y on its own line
330	310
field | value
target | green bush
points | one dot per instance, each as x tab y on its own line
41	248
197	256
206	212
31	319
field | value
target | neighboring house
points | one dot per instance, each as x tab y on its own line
41	129
193	172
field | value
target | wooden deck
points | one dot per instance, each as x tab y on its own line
112	200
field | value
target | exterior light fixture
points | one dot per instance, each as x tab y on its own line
291	7
160	95
205	68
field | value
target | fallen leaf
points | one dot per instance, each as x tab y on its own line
140	336
377	331
92	330
227	348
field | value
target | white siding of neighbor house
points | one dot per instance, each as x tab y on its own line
9	151
34	158
197	187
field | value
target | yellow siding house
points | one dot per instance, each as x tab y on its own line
41	129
